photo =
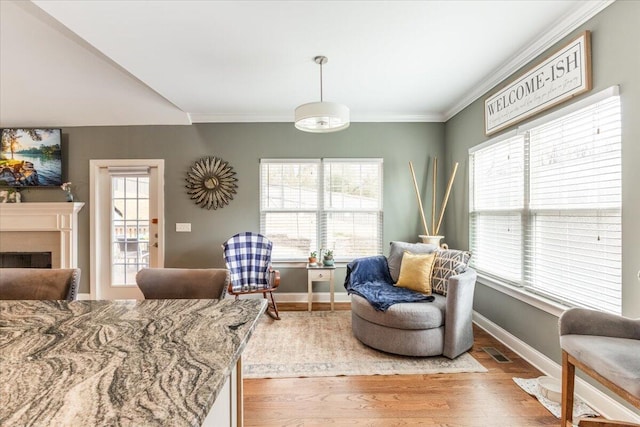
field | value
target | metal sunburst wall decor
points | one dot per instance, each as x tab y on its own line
211	182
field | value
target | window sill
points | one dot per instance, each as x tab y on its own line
545	304
300	264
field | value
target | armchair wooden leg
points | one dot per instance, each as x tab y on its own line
272	308
568	379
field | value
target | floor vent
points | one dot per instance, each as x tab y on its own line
496	355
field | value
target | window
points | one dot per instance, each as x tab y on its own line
289	193
497	201
545	207
333	204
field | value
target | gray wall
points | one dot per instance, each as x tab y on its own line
615	60
242	145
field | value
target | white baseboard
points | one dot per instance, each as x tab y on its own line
599	401
84	297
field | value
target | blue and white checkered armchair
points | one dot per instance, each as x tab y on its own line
248	258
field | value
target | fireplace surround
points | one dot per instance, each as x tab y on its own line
41	227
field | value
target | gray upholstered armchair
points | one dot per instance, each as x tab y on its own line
607	348
414	325
39	283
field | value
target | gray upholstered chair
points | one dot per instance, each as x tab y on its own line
607	348
39	283
183	283
442	326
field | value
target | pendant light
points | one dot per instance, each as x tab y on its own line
322	117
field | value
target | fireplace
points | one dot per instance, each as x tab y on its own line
29	228
25	259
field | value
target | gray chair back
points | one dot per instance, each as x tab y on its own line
39	283
183	283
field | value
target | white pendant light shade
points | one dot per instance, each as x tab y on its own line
320	117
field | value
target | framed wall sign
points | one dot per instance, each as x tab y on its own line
563	75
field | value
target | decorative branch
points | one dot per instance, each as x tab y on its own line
415	185
446	197
433	197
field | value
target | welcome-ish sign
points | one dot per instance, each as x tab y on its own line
563	75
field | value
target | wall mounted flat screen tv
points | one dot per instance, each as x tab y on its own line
30	157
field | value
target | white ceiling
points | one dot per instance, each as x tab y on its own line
78	63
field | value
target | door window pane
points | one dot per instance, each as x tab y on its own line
129	228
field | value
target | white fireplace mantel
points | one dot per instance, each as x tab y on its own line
46	216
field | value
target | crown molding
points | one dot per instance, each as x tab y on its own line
288	118
429	117
545	41
239	118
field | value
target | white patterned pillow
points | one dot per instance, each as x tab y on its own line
448	262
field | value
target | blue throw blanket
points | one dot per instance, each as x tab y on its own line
369	277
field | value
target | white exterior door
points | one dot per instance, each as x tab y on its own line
127	232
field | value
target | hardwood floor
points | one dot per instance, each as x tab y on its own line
467	399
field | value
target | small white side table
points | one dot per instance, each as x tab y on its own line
319	273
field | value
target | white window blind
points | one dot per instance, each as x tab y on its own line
545	208
289	200
497	202
352	207
574	238
331	204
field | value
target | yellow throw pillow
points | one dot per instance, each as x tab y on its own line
415	272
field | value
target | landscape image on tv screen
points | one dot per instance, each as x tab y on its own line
30	158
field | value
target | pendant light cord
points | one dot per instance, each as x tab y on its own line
321	99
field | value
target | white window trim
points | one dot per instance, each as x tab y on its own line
302	264
578	105
538	301
295	263
525	295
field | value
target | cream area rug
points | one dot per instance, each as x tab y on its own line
580	409
321	344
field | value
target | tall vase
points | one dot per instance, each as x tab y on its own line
69	196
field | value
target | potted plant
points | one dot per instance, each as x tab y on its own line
328	258
313	257
66	187
10	195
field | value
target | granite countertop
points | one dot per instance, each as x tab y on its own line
126	362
